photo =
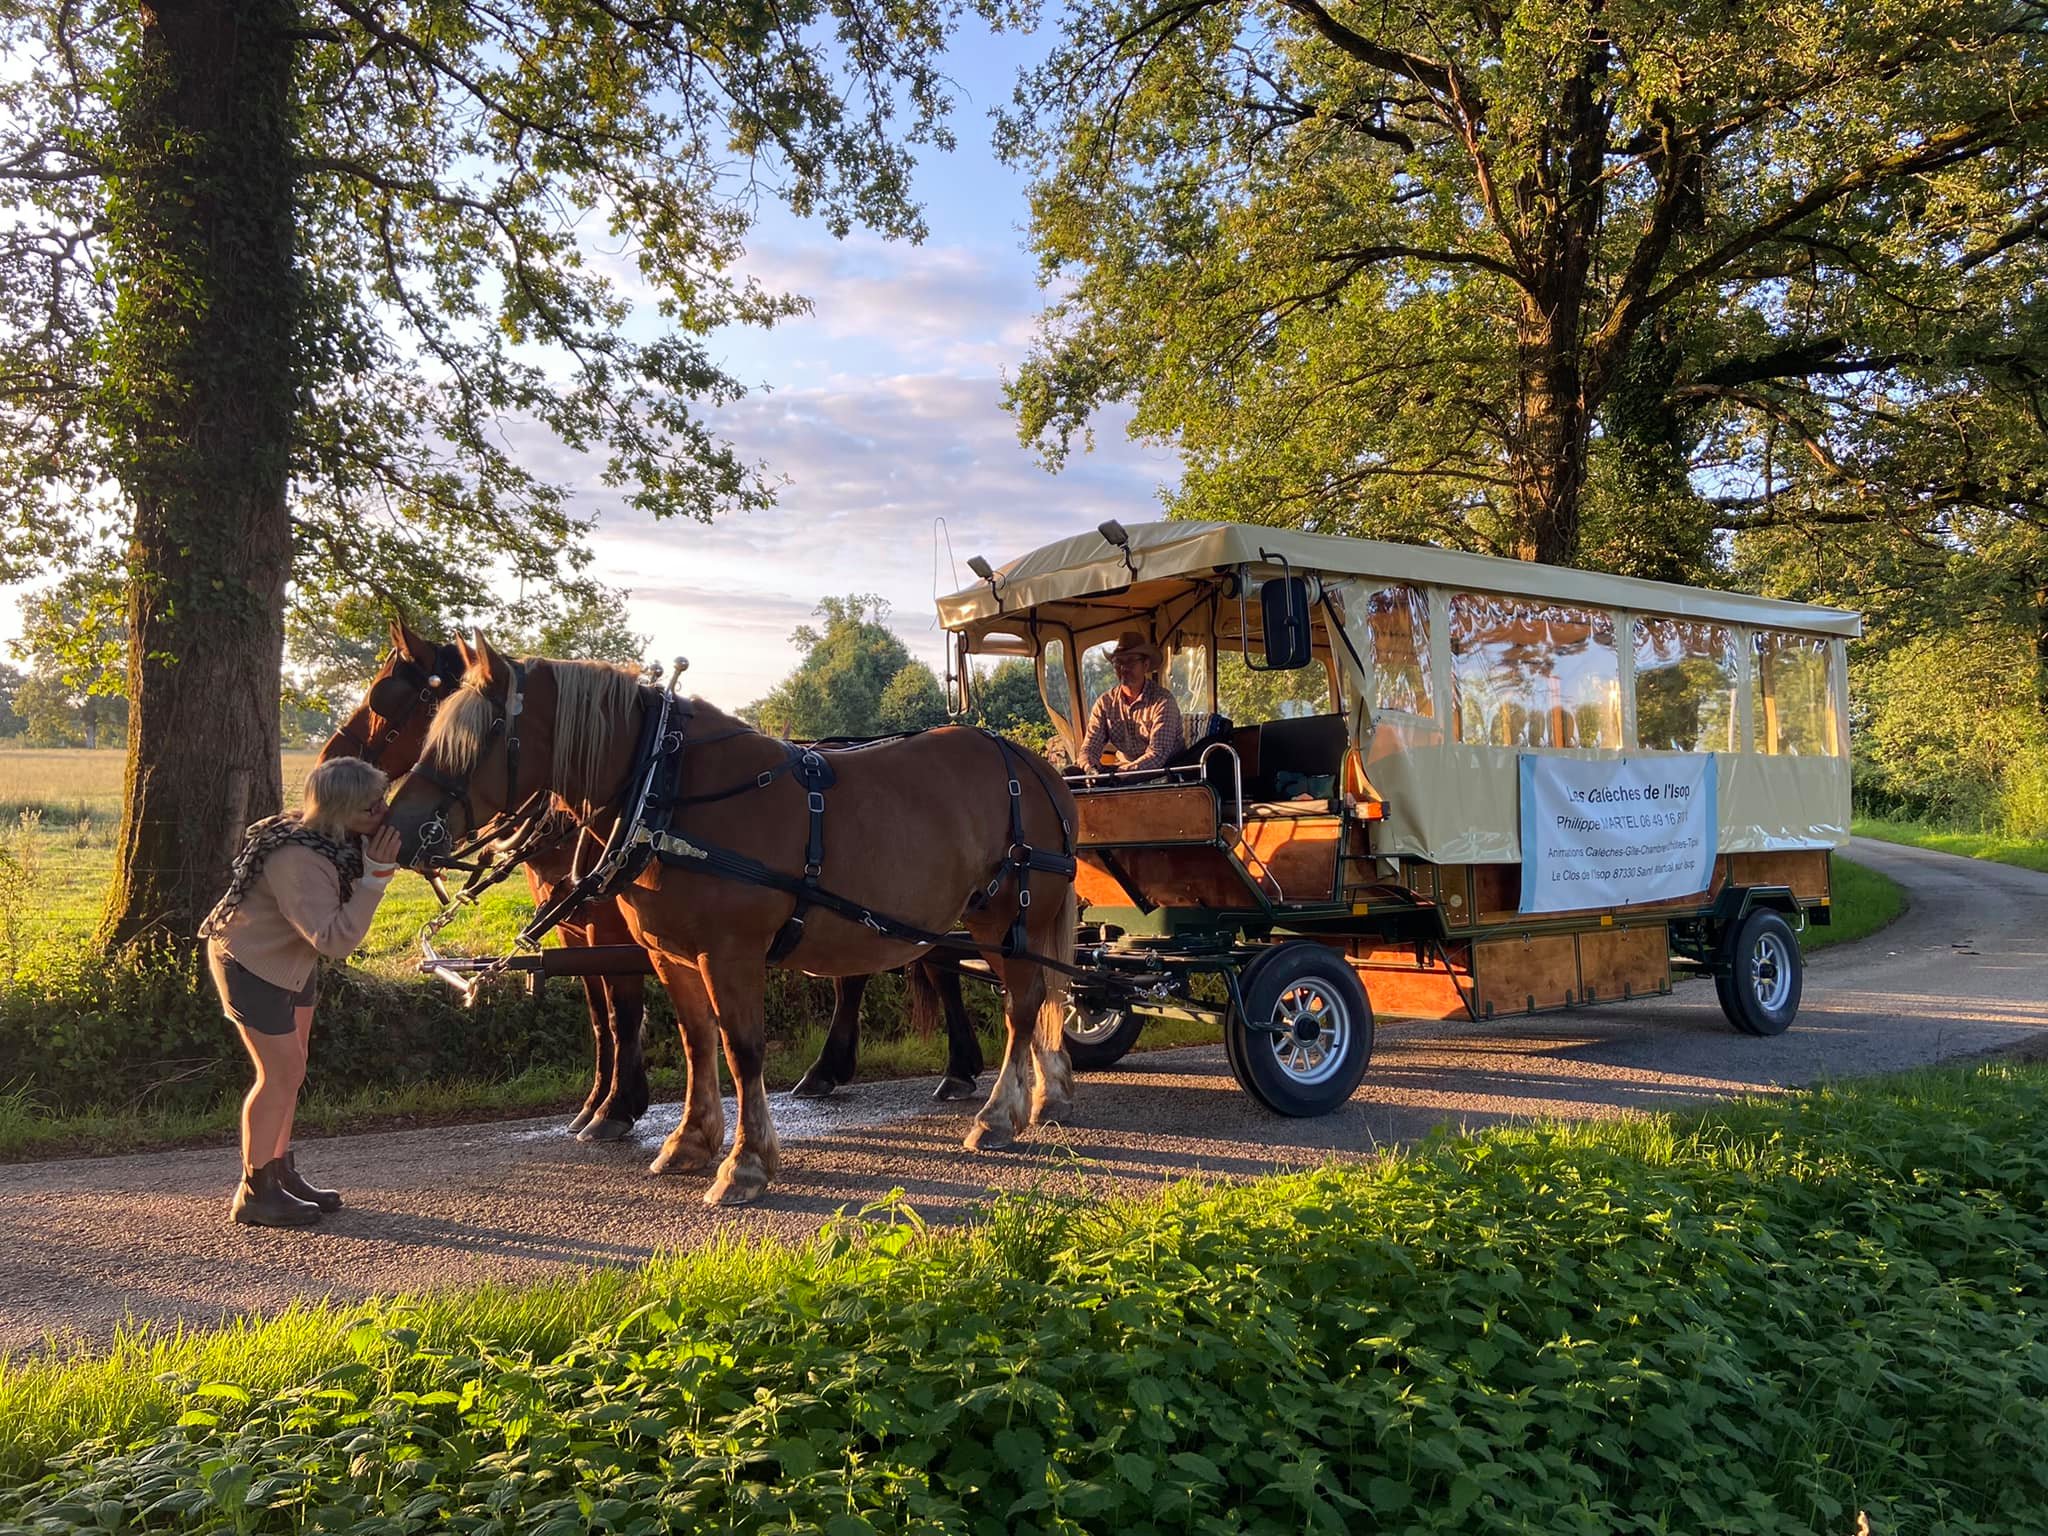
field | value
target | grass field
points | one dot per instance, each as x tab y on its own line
1994	846
1810	1315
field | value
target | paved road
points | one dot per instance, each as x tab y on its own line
85	1244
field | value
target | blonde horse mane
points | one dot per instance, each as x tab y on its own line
592	699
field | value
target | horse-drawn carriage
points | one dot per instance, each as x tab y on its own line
1430	783
1455	786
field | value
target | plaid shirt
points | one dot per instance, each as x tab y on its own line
1145	731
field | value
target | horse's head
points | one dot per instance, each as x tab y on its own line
485	751
389	725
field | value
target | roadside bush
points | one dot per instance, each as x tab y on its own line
80	1030
2023	796
1786	1319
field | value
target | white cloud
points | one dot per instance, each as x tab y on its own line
872	465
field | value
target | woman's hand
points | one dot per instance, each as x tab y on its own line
380	851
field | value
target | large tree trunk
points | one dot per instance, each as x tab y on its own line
201	407
1550	451
2041	648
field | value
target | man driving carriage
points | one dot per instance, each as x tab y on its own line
1137	719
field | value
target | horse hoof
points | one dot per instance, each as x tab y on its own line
679	1159
813	1085
582	1119
736	1186
611	1128
984	1137
951	1088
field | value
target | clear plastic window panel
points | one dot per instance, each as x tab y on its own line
1398	619
1795	707
1187	679
1052	680
1097	675
1248	696
1688	686
1533	674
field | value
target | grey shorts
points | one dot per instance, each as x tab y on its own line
255	1004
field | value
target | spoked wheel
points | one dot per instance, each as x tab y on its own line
1304	1038
1100	1036
1760	987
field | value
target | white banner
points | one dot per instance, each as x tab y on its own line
1614	832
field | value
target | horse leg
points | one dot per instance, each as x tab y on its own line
835	1064
938	987
737	986
619	1062
696	1141
600	1055
630	1094
999	1121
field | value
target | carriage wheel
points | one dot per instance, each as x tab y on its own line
1759	989
1099	1037
1305	1036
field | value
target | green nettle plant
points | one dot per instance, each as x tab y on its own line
1808	1317
276	274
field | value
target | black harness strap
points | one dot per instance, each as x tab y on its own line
816	776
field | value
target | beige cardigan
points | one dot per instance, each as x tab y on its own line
293	914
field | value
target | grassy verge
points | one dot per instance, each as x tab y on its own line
1771	1317
1864	901
1994	846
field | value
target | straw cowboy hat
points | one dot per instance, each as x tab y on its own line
1131	643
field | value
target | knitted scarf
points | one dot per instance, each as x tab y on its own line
264	839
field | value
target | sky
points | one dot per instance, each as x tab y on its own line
882	410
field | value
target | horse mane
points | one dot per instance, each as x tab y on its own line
593	701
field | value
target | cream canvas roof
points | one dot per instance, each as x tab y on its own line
1074	569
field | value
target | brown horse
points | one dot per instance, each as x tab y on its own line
389	727
920	831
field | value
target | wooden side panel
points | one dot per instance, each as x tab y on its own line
1496	892
1622	962
1097	887
1521	975
1804	870
1172	813
1299	851
1401	989
1170	877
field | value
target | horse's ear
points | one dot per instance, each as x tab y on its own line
415	648
469	657
484	658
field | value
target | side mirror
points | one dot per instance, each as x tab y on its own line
1283	607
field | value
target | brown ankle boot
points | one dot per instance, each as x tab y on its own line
292	1184
261	1202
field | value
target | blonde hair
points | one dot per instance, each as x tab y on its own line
336	790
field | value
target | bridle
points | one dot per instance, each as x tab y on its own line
433	832
394	697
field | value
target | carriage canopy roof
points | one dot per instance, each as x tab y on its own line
1087	565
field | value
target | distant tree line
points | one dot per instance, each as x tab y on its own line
857	678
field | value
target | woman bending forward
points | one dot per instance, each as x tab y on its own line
304	886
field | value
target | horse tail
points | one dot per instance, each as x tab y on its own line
1052	1013
926	1011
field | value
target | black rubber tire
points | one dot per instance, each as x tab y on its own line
1301	1074
1760	983
1104	1047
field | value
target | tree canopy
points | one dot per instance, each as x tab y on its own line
295	294
1588	281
